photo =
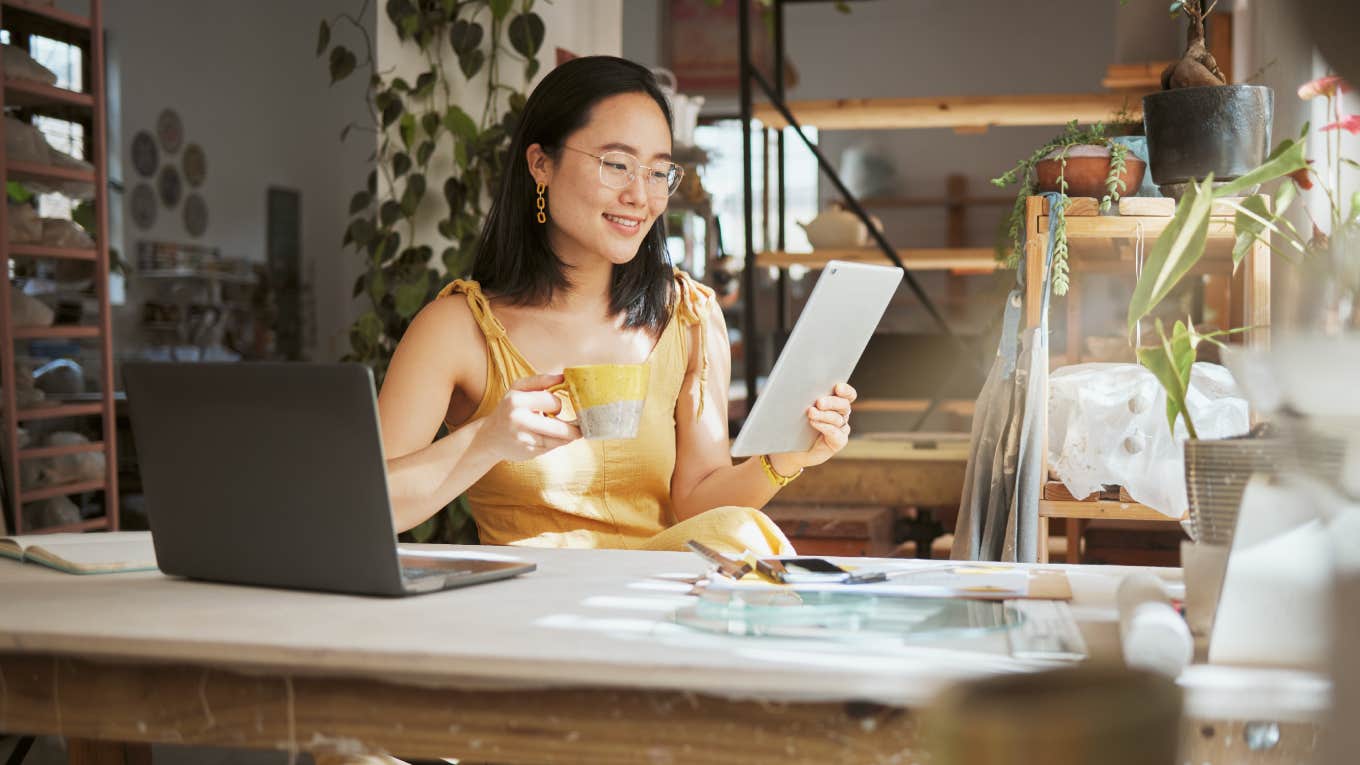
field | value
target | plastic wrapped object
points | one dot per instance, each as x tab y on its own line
1107	426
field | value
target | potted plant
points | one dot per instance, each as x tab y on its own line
1328	256
1080	162
1199	125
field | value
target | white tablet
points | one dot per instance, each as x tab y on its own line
831	333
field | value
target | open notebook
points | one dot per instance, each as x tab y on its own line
99	553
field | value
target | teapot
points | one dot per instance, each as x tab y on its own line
836	228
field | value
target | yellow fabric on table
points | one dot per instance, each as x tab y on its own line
605	493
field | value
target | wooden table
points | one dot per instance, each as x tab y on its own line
911	470
577	662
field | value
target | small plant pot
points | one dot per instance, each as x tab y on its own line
1087	169
1219	129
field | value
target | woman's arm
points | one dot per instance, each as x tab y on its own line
441	350
704	476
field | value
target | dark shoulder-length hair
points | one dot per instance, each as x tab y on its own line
513	258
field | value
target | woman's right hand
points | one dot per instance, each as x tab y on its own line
523	425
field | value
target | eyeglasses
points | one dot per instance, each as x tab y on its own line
618	169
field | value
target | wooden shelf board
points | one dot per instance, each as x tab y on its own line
916	259
191	273
1126	227
1146	76
60	451
61	490
70	332
953	111
961	407
941	201
1103	509
49	172
1089	207
25	93
42	251
93	524
59	410
73	21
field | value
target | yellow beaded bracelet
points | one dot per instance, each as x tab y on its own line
779	480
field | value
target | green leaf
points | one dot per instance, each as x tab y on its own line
530	69
1170	362
359	285
425	83
401	162
424	153
411	296
368	327
460	124
377	285
1177	250
453	264
323	38
408	129
454	193
1287	158
410	198
1176	7
501	8
471	63
526	34
445	229
17	192
359	201
391	110
1248	228
465	36
342	63
401	85
1355	208
360	231
431	122
390	212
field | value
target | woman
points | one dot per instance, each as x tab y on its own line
585	282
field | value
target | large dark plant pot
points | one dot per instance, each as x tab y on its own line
1192	132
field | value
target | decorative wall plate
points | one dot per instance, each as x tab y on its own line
143	206
169	186
195	164
170	130
145	156
195	215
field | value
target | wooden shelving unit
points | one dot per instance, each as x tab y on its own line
958	259
1092	247
965	113
24	18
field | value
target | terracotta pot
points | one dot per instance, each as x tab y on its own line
1086	173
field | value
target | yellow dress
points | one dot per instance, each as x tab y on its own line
604	493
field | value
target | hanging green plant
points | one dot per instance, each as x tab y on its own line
1024	173
412	122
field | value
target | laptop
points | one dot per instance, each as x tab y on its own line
273	474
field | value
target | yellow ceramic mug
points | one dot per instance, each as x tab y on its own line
606	398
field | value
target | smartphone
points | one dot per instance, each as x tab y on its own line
813	571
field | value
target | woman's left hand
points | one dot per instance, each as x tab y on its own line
830	417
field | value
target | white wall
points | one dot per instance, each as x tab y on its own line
246	83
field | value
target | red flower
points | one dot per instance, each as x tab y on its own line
1323	86
1350	123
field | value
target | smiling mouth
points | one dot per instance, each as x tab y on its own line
629	223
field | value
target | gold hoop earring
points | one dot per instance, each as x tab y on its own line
542	204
